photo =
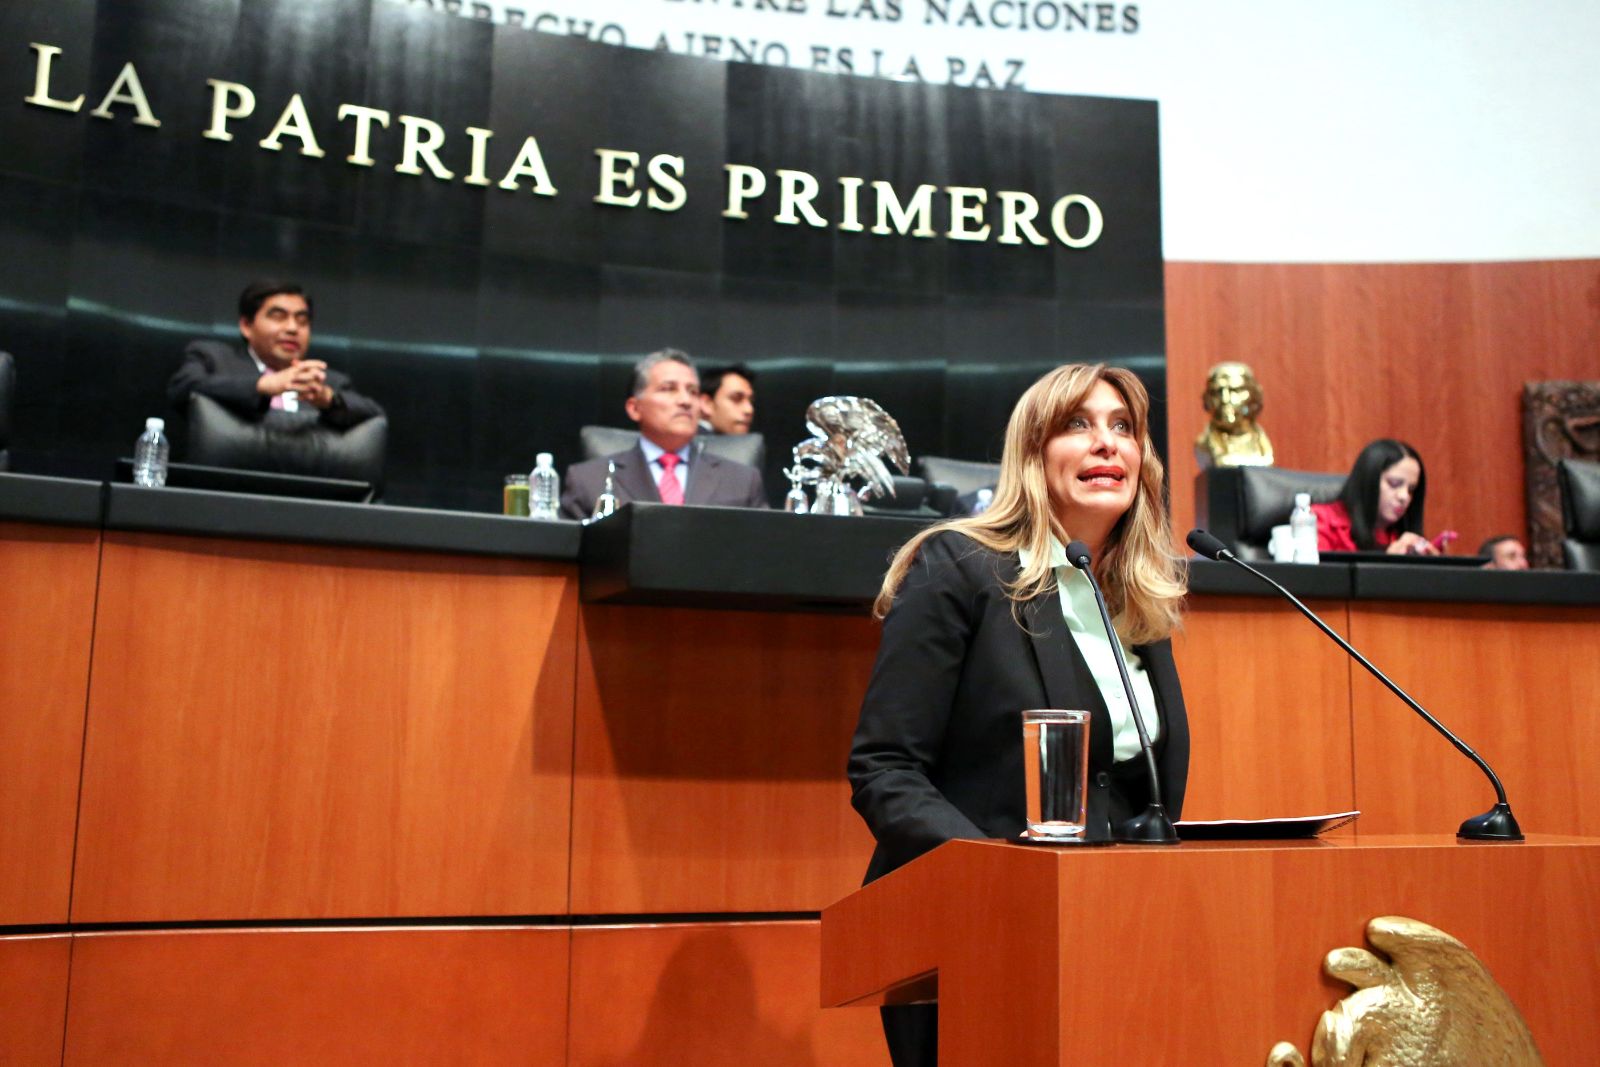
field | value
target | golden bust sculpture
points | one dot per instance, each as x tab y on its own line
1233	438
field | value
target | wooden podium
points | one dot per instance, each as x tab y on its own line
1203	953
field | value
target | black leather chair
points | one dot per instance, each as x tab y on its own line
1580	513
909	500
746	448
950	479
8	390
285	443
1241	505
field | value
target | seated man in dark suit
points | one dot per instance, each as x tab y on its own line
666	466
268	370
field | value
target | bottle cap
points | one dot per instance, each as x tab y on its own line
544	459
155	424
1302	500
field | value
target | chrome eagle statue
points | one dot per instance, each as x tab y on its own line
851	437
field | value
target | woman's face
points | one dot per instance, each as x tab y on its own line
1396	486
1092	466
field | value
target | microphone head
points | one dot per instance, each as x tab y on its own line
1208	546
1078	555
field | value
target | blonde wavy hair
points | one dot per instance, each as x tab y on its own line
1144	581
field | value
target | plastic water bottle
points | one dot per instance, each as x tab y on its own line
150	454
544	488
984	499
1303	530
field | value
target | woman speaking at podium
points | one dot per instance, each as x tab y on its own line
984	618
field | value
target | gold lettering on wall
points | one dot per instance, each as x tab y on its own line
46	54
662	189
919	211
480	155
1058	221
229	100
796	190
422	140
966	207
850	190
666	173
361	150
744	183
294	122
1017	212
616	168
126	89
529	164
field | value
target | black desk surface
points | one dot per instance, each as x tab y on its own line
701	557
57	501
739	558
197	511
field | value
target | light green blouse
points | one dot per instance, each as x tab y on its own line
1083	621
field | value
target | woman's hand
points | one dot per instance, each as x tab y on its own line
1410	544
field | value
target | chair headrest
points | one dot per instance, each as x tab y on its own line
8	392
963	475
909	494
748	448
1580	498
285	442
1267	496
1241	505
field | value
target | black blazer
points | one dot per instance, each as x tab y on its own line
713	479
225	372
938	749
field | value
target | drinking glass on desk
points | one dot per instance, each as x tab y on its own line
515	500
1055	772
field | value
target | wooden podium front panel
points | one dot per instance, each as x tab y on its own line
1268	697
33	997
1517	684
492	995
710	758
710	994
1205	953
285	731
47	588
1236	965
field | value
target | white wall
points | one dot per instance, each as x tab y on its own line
1292	130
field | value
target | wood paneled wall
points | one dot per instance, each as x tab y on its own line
283	732
33	998
47	597
1517	684
1265	741
286	731
711	995
1435	354
487	995
709	760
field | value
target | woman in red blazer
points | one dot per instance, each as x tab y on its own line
1380	506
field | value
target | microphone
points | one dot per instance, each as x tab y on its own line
1496	824
1152	827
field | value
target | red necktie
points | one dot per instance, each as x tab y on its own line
669	487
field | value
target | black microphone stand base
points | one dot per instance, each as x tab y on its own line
1150	828
1496	824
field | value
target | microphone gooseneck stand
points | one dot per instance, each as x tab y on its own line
1496	824
1152	826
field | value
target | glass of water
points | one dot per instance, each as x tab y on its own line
1055	769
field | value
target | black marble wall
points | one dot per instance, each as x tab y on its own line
494	324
